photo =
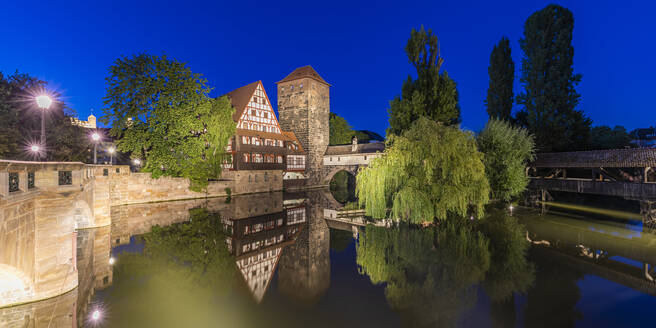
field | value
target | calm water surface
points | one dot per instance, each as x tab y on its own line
285	260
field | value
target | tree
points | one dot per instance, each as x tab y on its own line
20	122
340	131
429	172
432	94
160	112
603	137
366	136
550	97
499	100
507	151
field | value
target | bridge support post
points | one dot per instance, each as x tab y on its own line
648	211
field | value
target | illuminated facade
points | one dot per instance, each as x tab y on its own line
90	123
259	143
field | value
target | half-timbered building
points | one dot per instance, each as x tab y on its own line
259	143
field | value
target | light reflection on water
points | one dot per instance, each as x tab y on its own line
274	260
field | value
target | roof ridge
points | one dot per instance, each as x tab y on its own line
306	71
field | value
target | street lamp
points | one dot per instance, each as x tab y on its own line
44	102
111	155
95	136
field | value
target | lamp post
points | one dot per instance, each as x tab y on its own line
44	103
95	136
111	155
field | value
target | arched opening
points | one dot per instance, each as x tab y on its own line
342	187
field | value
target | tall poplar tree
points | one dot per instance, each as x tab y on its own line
499	99
549	99
432	94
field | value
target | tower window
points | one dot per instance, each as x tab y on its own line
291	87
301	86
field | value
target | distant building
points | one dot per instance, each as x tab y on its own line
90	123
644	137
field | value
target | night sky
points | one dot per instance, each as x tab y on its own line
357	47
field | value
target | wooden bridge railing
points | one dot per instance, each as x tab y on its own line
637	158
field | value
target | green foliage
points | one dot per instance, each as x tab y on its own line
20	122
429	274
432	94
340	131
603	137
510	271
365	136
550	98
507	151
429	172
342	187
161	113
499	100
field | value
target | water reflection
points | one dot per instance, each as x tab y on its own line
289	260
431	275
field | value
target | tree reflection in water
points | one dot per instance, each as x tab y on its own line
181	279
432	274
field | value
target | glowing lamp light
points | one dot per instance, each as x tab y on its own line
95	315
511	207
43	101
112	261
111	150
95	136
137	161
35	148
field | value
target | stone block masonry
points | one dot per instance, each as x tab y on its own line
304	108
39	220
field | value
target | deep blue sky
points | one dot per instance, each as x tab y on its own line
357	47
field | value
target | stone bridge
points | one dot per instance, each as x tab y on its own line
349	158
43	207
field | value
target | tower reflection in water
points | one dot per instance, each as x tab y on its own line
157	246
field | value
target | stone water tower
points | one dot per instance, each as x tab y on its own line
304	108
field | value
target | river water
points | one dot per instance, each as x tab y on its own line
291	260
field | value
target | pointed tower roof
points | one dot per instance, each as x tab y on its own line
303	72
240	98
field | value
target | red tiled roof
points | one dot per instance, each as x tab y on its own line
292	137
240	98
303	72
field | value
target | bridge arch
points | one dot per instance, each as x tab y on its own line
330	171
15	285
82	214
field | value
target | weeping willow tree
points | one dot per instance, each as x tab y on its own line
427	173
430	274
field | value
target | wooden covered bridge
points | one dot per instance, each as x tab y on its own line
626	173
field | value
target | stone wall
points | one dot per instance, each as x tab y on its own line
246	182
17	225
59	311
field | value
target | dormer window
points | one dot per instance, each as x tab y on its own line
291	88
301	86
